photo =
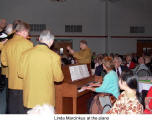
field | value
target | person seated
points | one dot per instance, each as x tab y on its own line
148	102
130	101
110	80
148	62
130	64
141	66
118	67
99	71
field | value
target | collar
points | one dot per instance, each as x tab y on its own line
39	43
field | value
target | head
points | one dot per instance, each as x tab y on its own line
15	23
83	44
141	60
99	59
46	37
147	59
129	82
3	23
9	29
22	29
128	58
108	64
42	110
117	62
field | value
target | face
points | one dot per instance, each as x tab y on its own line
141	60
82	46
122	84
25	33
128	58
3	23
117	63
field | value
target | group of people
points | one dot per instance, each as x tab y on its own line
121	72
31	70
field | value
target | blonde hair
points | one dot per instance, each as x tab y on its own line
108	62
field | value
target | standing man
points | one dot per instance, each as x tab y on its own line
84	55
10	57
39	68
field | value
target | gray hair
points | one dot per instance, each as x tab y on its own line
46	36
22	26
9	29
118	58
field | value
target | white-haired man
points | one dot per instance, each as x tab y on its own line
118	67
39	67
10	57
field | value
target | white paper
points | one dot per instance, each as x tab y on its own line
79	72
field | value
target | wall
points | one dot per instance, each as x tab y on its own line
89	13
126	13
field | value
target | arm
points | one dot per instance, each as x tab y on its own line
57	71
81	54
104	85
4	57
21	69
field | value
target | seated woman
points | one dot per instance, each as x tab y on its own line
110	80
129	102
99	71
148	102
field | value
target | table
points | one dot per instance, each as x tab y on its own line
144	85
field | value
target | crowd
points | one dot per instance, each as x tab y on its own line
28	74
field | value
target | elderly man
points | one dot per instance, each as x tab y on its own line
118	67
3	24
10	57
84	55
39	68
141	65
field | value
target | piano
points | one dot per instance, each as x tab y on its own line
70	98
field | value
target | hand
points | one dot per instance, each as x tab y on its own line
68	48
4	41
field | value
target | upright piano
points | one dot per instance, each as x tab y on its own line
70	98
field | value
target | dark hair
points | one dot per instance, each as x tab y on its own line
132	82
84	42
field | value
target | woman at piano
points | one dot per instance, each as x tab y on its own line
110	80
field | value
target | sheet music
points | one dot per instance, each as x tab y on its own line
79	72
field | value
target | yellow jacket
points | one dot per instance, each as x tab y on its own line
10	57
39	67
83	56
4	68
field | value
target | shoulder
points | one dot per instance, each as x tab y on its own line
54	54
124	67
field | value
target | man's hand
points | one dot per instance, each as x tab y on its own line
70	50
4	41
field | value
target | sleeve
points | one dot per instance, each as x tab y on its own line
57	71
4	57
81	54
21	69
1	46
104	85
135	108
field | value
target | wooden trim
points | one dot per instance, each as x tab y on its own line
131	36
87	36
74	36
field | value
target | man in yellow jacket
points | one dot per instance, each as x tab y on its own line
84	55
40	67
10	57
